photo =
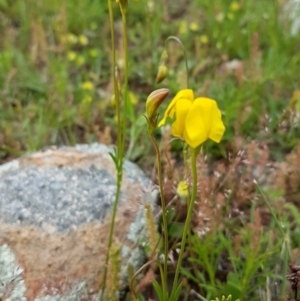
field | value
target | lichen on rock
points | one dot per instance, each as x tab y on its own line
12	286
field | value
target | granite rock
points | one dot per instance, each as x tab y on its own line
55	209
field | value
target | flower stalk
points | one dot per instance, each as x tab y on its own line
153	102
170	38
187	223
164	215
118	156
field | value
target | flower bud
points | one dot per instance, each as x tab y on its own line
153	102
162	73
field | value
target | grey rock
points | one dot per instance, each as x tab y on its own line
55	209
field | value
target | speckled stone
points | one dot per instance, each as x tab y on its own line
55	209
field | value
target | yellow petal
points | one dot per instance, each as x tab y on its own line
217	128
170	111
182	189
182	108
203	121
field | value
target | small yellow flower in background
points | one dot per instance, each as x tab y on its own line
182	189
194	26
194	120
133	98
234	6
80	60
83	40
71	56
183	28
203	39
72	38
87	86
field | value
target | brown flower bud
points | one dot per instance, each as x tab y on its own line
153	102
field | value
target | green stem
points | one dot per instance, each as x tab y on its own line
126	103
119	151
188	218
184	54
164	214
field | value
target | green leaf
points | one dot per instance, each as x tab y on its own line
176	230
158	290
175	294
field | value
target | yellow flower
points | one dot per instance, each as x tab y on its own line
133	99
196	120
83	40
71	56
203	39
194	26
183	27
234	6
182	189
87	86
72	38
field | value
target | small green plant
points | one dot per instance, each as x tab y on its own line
194	120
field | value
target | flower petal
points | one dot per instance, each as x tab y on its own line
217	129
170	111
182	108
203	121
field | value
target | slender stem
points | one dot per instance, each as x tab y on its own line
164	213
119	151
184	54
188	218
131	283
126	103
